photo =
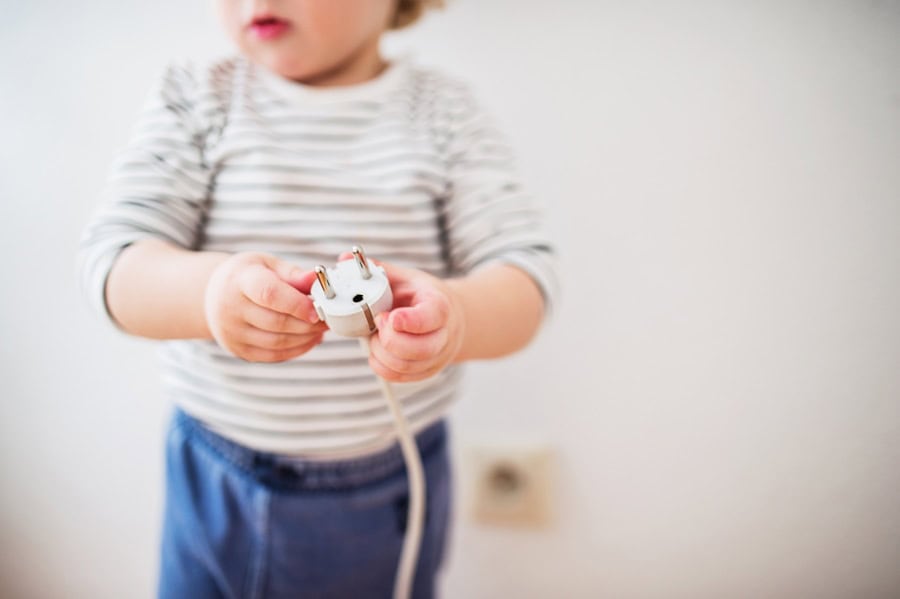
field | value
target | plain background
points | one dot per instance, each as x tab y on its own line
721	382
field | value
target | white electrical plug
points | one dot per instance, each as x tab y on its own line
350	295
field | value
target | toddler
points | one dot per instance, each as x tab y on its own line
283	475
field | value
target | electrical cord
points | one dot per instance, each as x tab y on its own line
348	297
416	510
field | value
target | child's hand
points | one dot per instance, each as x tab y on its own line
424	330
257	307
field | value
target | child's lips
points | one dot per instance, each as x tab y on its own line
268	27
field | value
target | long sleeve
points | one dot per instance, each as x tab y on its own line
158	185
489	217
233	158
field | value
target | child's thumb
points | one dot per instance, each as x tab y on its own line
291	274
397	274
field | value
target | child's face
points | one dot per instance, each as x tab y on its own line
304	39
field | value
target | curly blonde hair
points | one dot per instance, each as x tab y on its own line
409	11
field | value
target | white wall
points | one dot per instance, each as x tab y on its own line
721	382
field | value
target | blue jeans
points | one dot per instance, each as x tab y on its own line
240	523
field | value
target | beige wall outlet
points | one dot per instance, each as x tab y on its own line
509	485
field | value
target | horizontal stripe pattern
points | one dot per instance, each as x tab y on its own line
232	158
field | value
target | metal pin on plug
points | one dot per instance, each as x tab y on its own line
370	320
322	275
361	262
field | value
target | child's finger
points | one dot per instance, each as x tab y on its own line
407	346
257	354
264	288
397	275
296	277
395	363
389	374
277	322
276	341
428	313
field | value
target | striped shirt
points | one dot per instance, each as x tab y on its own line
231	157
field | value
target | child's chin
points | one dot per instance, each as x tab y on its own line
273	66
287	67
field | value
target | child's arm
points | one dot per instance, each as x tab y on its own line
502	308
502	262
137	259
253	304
488	314
156	290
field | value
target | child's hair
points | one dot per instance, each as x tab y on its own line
409	11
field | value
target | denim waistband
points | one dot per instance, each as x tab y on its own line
294	473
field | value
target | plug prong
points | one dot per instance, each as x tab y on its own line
361	262
370	319
322	275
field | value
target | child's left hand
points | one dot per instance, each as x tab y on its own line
424	330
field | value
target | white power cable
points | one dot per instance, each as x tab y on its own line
347	298
415	515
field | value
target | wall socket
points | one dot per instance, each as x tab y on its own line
509	485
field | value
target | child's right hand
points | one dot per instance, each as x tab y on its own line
258	308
